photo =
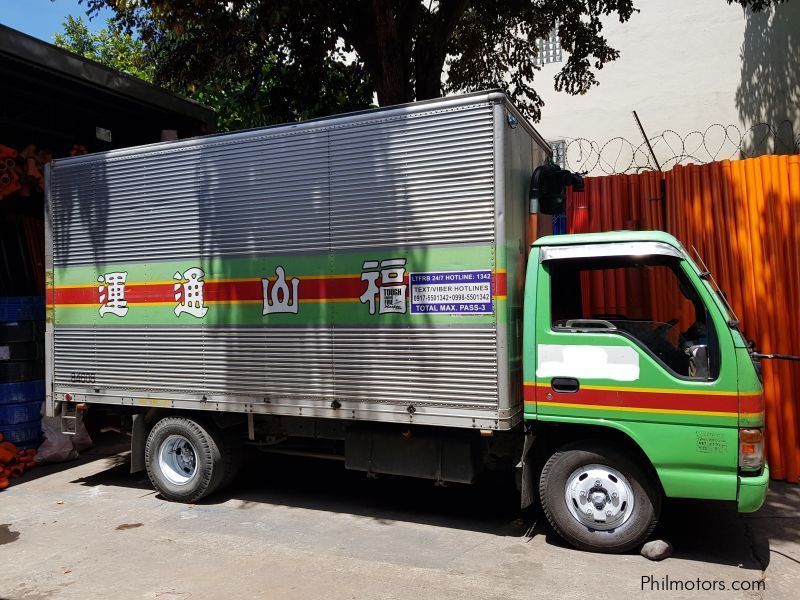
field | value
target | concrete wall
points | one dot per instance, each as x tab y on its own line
684	66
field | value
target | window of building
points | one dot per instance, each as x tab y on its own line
549	48
652	303
559	148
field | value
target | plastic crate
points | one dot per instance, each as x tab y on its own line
17	351
32	443
13	414
21	308
20	331
23	391
15	372
24	434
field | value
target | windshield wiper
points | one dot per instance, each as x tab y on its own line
707	276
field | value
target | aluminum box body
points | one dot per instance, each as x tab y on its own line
368	266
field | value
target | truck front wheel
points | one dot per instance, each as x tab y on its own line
185	459
597	499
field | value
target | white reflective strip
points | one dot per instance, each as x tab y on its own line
620	363
610	249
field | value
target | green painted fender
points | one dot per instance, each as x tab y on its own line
691	461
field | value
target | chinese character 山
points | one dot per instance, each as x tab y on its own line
279	299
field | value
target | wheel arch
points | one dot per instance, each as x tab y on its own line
143	422
550	436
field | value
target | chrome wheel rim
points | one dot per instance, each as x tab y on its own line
177	459
599	497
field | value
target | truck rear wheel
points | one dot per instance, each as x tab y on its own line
597	499
185	459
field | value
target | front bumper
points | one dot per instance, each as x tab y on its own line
753	491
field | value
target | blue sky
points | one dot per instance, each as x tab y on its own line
43	18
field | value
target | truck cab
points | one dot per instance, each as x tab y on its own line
634	363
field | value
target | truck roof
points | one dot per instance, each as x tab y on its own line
606	237
494	96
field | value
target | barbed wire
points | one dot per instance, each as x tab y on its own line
619	155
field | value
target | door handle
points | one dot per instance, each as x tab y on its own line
565	385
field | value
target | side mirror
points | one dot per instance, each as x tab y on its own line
698	361
548	191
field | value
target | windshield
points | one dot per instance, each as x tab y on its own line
649	300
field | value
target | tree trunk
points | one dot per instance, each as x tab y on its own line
430	50
428	67
391	65
391	32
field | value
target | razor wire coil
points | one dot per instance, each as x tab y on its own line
618	155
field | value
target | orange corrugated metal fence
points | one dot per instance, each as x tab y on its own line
741	216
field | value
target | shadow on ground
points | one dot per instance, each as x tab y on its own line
699	531
775	529
109	446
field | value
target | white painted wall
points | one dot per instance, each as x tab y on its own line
684	66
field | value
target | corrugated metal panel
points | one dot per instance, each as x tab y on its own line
419	365
416	179
236	360
207	201
394	365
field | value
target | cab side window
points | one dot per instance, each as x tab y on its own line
649	300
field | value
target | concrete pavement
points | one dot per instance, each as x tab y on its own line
303	528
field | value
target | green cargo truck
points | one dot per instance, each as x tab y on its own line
362	288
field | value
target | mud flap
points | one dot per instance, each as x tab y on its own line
138	439
525	471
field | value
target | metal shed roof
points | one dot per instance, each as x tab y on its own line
54	92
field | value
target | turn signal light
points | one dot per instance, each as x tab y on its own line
751	449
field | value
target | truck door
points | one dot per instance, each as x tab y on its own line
627	337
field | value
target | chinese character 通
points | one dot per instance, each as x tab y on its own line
190	298
279	300
112	294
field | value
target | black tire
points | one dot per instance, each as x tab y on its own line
552	492
210	456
